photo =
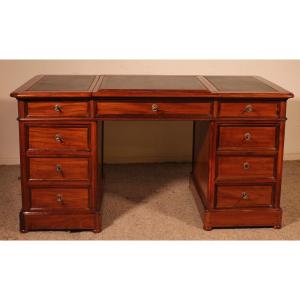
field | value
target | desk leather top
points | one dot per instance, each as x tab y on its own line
107	86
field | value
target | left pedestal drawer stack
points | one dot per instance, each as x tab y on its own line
59	160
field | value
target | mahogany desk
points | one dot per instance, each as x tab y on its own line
239	124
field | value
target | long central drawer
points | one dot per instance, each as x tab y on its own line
153	109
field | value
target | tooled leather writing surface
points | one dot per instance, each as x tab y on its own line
63	83
239	84
151	82
77	86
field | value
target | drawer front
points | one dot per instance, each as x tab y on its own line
249	110
59	198
59	168
57	109
245	166
59	138
245	137
244	196
155	109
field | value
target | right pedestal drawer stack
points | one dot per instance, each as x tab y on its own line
242	153
248	163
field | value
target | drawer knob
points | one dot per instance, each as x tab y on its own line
247	136
248	108
245	196
57	108
155	107
58	169
59	198
59	138
246	165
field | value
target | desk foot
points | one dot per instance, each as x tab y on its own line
207	228
277	227
23	227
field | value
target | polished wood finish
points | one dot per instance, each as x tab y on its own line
57	109
244	196
243	217
235	217
59	138
245	167
238	139
58	168
65	220
249	110
59	198
201	158
247	137
153	109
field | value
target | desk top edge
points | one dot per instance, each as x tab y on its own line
99	86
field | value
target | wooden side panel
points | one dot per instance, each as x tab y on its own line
100	162
201	158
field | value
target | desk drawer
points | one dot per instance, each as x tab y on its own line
59	198
243	167
244	196
59	138
57	109
249	110
152	109
59	168
245	137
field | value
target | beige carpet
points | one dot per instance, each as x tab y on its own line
150	202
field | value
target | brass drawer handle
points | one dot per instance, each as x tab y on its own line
246	165
155	107
245	196
57	108
59	198
248	108
58	169
247	136
59	138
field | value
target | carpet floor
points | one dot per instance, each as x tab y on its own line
150	202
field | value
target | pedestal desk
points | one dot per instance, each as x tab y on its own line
239	124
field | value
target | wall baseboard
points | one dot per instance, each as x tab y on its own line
141	159
291	156
9	160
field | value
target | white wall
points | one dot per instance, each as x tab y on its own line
145	141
